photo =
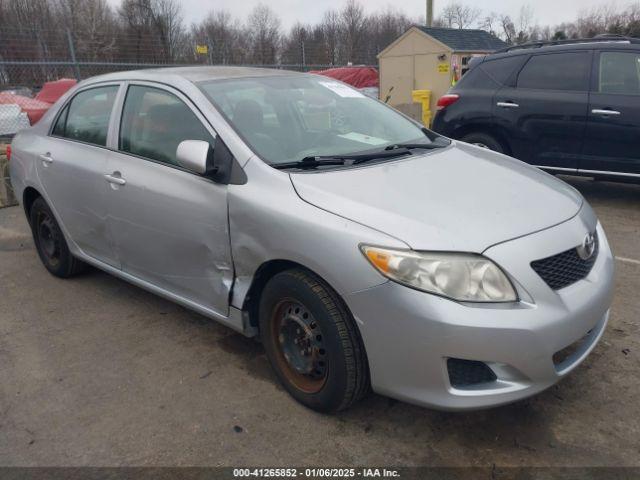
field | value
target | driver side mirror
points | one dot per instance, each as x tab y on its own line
196	156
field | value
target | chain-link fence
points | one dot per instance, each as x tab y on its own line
31	58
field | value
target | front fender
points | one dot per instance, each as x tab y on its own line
269	221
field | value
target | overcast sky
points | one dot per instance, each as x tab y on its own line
547	12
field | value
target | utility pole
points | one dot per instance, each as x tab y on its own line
72	53
429	13
303	37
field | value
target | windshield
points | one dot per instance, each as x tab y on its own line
289	118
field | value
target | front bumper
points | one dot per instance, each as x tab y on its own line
409	335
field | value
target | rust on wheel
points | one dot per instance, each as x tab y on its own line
299	346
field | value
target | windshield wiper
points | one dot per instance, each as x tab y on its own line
309	162
437	143
314	162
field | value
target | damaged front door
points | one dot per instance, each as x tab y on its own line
170	226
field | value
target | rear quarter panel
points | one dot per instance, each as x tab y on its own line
472	110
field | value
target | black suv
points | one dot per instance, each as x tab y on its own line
570	106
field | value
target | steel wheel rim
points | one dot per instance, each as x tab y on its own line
47	238
299	346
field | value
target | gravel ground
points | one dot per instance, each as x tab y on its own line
94	371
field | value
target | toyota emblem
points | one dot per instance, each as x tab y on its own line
588	247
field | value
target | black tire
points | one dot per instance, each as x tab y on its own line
484	140
339	374
50	242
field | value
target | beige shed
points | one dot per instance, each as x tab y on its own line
429	58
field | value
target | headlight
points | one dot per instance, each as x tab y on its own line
461	276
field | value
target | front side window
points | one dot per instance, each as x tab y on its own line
86	117
289	118
619	73
556	71
155	121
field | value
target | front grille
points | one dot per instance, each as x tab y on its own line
565	268
467	373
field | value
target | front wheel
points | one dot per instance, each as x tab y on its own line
312	342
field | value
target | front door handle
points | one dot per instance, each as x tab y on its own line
46	158
508	105
598	111
115	178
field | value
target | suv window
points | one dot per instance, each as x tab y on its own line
154	122
619	73
556	71
476	78
502	68
86	117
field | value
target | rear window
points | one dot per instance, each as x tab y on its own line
502	68
86	117
556	71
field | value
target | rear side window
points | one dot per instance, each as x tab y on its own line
155	121
556	71
502	68
476	79
619	73
58	129
86	117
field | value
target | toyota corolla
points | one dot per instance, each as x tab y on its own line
365	251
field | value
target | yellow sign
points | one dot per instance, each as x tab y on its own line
443	68
203	49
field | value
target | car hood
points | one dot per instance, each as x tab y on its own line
461	198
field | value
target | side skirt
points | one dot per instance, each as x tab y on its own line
236	319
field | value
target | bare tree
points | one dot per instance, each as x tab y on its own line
490	23
508	28
221	33
296	45
153	31
168	21
352	20
93	26
263	32
459	15
331	35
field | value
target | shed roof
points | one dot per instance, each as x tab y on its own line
463	40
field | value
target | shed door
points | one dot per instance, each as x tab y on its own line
396	79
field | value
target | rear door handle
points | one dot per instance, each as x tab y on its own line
115	178
46	158
605	112
507	105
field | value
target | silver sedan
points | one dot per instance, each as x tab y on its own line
365	251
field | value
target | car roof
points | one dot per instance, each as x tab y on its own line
192	74
534	48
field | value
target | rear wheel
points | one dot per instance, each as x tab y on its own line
50	242
312	342
484	140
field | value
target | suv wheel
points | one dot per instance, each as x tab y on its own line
50	242
483	140
312	342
